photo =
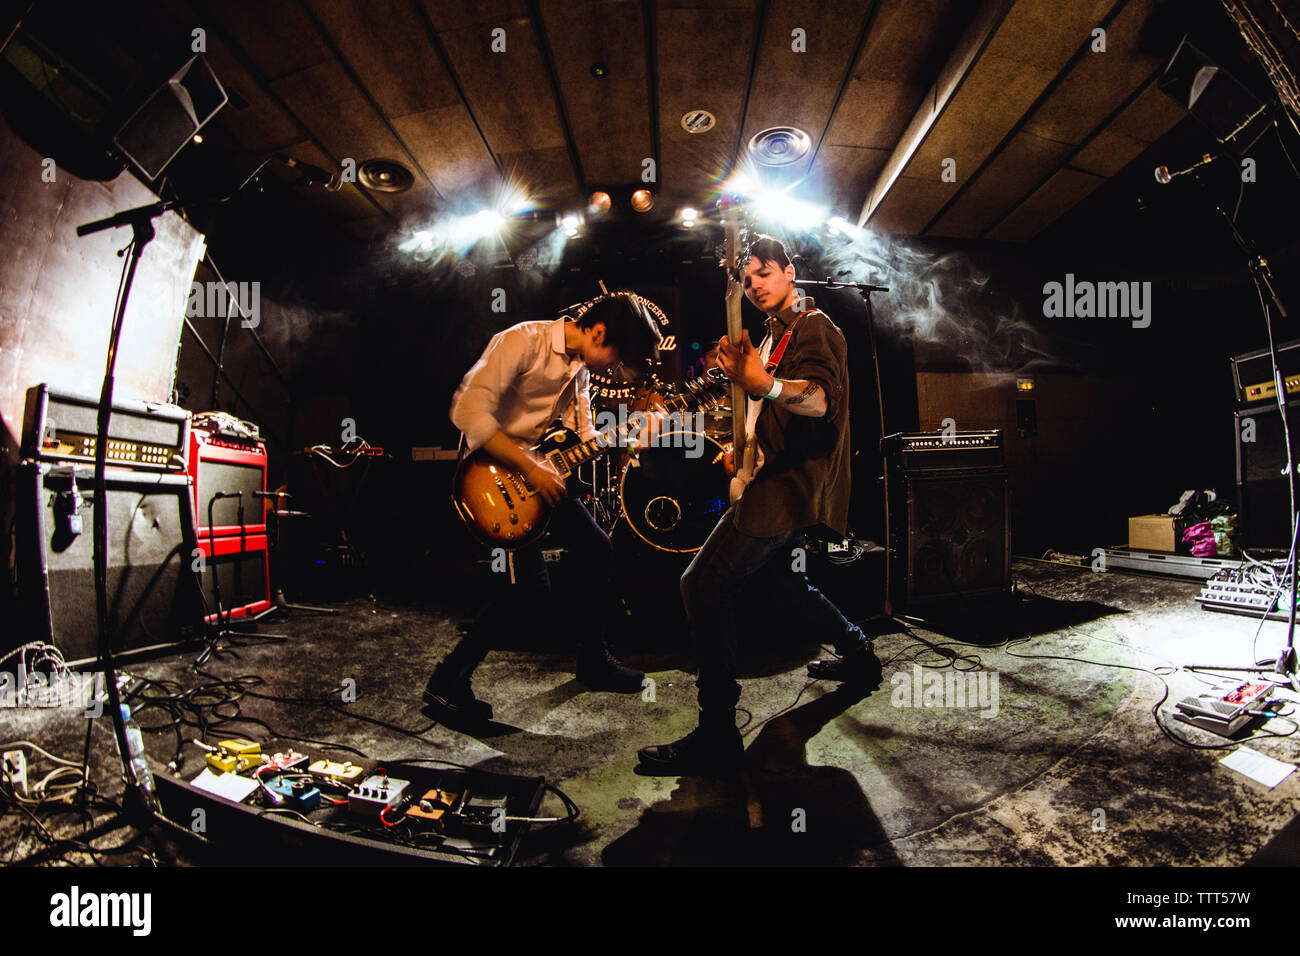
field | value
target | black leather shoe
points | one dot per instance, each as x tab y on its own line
453	702
704	751
861	668
601	670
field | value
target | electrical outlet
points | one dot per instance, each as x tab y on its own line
15	768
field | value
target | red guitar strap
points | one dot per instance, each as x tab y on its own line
777	352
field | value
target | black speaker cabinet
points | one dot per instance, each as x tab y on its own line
1263	496
165	122
950	536
152	587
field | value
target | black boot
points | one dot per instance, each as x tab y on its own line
713	748
450	699
858	666
601	670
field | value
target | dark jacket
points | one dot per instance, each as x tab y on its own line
804	481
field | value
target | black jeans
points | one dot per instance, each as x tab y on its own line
584	620
709	591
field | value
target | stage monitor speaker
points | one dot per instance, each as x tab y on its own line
1263	494
178	109
152	588
950	537
1211	94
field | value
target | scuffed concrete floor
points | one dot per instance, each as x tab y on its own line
1070	770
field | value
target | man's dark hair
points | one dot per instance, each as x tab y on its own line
767	249
628	326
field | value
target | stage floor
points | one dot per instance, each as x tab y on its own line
1053	757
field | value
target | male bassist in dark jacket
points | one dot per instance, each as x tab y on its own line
529	376
797	473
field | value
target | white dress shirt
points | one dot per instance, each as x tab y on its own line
523	381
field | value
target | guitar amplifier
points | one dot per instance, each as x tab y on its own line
62	426
1252	372
225	463
949	529
152	588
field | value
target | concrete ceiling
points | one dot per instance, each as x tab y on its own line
1010	91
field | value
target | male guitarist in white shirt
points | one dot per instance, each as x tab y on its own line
529	376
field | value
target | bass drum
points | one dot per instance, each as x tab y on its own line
676	491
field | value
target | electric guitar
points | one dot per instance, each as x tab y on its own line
503	510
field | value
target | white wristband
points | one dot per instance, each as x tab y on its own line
776	389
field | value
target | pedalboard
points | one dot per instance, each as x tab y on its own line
295	793
345	773
376	794
1238	591
1225	711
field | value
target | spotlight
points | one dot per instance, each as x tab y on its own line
198	138
599	202
643	200
835	225
486	221
688	216
570	224
776	206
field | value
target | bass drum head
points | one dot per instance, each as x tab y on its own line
676	491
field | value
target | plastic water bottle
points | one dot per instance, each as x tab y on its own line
135	757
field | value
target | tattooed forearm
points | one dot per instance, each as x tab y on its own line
802	397
809	393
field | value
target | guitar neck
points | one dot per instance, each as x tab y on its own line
569	460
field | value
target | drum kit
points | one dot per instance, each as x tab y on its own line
671	492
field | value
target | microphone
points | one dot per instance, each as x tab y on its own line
313	175
1164	177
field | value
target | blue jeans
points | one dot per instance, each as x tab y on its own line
709	592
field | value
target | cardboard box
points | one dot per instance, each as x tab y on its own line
1155	533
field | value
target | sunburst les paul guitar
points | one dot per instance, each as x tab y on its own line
503	510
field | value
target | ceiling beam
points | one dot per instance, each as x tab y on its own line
422	12
651	23
848	76
1084	48
1083	144
548	61
365	94
951	76
760	24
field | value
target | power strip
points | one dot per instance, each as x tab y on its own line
15	770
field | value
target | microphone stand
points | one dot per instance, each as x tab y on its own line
865	289
139	803
1285	664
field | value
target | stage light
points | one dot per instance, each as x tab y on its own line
486	221
600	202
776	206
198	138
570	225
688	216
643	200
835	225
